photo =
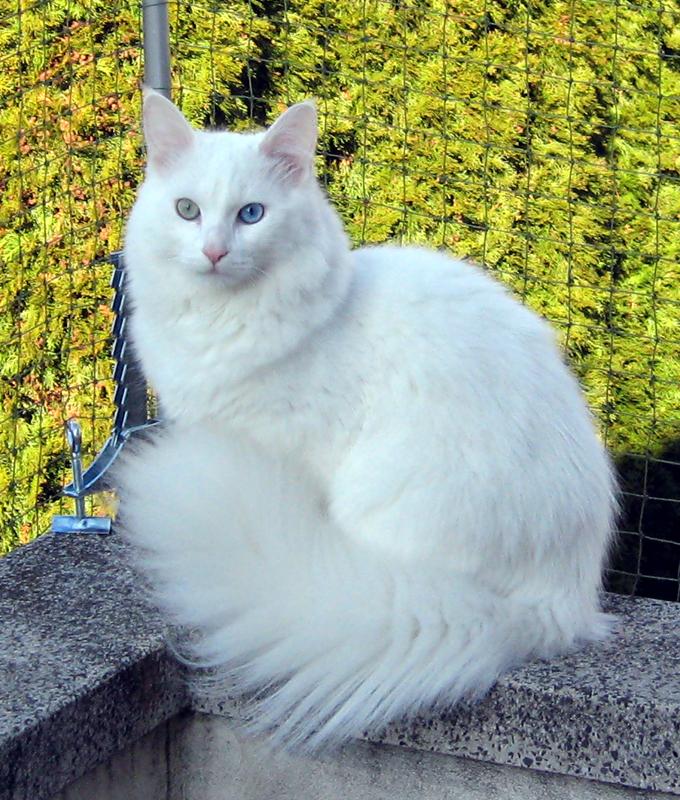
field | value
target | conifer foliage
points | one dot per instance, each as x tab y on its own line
536	136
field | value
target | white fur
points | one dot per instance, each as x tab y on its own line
381	486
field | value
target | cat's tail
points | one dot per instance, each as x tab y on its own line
327	638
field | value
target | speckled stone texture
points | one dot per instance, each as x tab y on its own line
84	673
83	667
610	712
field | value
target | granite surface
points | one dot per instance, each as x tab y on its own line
610	712
83	667
84	672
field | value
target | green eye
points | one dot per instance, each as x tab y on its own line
187	209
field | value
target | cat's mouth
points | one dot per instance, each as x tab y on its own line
222	274
232	275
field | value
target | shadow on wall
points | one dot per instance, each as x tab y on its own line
646	560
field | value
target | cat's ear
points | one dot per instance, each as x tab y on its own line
291	141
167	133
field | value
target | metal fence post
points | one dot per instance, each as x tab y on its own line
156	33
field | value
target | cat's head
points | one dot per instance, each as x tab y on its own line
225	207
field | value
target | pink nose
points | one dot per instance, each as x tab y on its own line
214	253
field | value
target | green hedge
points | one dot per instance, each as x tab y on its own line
540	138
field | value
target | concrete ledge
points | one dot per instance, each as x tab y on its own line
83	667
207	755
84	674
201	757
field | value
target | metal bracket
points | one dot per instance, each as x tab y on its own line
80	523
131	420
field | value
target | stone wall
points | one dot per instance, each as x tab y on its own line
93	706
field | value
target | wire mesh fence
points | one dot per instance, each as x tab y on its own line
68	168
539	138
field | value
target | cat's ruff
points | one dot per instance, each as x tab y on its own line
380	486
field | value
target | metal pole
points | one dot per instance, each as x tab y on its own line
156	45
156	37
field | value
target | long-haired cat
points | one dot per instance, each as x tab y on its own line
378	486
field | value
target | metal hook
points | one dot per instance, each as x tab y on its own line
74	439
80	523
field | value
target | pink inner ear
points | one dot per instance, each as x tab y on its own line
292	139
168	135
287	152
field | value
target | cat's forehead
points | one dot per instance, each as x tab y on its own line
222	163
222	146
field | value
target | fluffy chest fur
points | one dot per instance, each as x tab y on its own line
289	378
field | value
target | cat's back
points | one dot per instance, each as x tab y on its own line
428	293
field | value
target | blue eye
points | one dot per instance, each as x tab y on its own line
251	213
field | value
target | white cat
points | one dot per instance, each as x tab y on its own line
381	486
